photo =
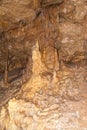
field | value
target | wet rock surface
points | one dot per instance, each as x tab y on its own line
45	48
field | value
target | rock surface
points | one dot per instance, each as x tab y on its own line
47	44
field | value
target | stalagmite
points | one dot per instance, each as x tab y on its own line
36	82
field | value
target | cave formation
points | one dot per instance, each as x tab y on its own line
43	65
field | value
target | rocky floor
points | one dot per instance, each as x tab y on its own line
47	111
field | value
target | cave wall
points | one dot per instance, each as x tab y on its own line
50	44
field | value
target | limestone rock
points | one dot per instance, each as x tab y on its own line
53	98
36	82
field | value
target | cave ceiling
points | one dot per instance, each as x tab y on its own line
23	22
15	17
20	26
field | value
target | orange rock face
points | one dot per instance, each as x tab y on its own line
49	44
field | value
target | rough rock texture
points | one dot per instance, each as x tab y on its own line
49	101
47	110
45	48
